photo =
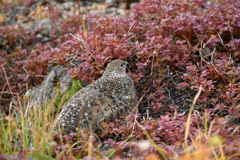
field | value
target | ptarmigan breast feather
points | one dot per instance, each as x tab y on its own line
106	99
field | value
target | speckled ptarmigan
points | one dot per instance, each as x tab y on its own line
104	100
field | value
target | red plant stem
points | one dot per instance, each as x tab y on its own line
10	89
79	10
124	7
51	18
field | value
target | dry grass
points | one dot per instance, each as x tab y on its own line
30	134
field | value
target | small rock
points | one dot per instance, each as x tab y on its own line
67	5
43	93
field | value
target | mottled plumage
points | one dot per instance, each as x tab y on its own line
106	99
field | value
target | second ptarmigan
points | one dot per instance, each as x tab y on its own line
104	100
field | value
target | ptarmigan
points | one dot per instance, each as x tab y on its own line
104	100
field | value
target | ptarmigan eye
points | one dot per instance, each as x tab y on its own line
122	65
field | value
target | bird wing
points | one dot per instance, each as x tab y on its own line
97	102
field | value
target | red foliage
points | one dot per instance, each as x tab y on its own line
159	39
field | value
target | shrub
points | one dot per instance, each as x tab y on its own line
174	48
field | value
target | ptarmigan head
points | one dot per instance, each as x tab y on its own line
116	69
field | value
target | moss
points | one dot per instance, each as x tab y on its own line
62	98
31	96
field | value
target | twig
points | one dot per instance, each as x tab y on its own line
208	42
140	100
189	44
90	146
79	38
230	30
160	150
190	115
152	62
51	18
212	61
131	26
135	121
7	80
169	94
181	89
124	7
221	40
238	127
84	26
79	11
